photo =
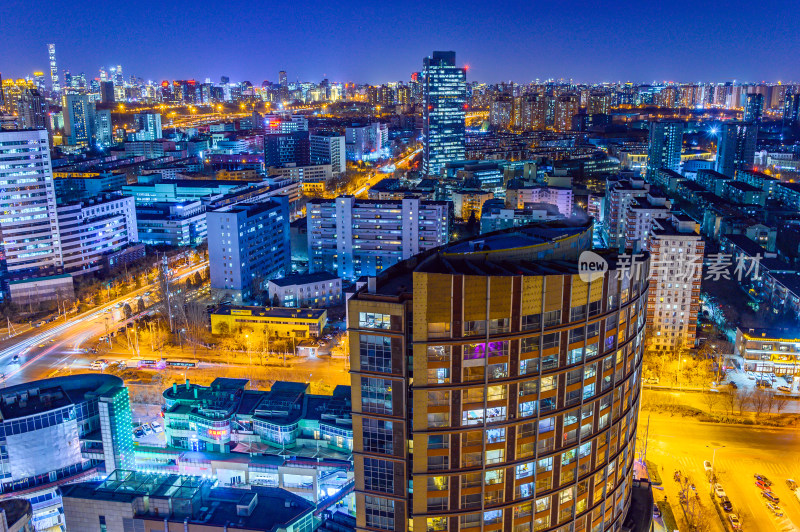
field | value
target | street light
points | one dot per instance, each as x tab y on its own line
713	459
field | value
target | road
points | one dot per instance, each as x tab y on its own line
678	443
57	346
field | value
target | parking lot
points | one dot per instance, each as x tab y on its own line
145	432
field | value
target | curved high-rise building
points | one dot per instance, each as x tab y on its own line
496	388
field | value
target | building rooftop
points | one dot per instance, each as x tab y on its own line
15	510
49	394
304	278
271	312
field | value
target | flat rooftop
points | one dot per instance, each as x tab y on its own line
271	312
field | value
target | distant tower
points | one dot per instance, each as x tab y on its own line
664	150
736	147
51	48
753	107
444	91
282	78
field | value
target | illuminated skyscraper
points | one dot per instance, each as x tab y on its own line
791	108
736	147
444	89
664	151
567	106
51	48
78	119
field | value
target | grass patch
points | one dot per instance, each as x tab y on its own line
667	516
652	471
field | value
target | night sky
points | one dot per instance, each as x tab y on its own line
385	40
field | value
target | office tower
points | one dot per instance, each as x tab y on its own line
736	147
620	193
791	108
327	147
494	389
444	91
753	108
600	102
59	430
282	80
78	119
148	126
29	234
107	92
55	87
248	244
674	301
567	106
351	237
286	149
119	79
664	149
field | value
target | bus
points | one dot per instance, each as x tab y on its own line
182	363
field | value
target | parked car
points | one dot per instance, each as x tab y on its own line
735	523
138	433
791	483
718	491
98	365
156	427
774	508
147	428
784	389
771	497
15	359
764	383
725	502
656	511
763	479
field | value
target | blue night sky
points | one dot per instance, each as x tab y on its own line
380	41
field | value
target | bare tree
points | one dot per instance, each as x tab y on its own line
743	399
728	398
781	401
758	400
711	399
164	295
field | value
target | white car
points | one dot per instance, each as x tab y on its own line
98	364
718	491
148	430
156	427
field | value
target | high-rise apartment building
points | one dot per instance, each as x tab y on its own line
620	193
29	236
530	112
753	108
247	244
51	51
639	218
366	142
501	111
327	147
567	106
664	150
444	90
351	237
492	393
600	102
674	300
286	149
736	147
791	108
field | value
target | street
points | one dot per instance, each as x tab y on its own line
56	346
678	443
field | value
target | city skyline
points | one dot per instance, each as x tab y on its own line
497	42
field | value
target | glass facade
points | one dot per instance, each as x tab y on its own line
445	99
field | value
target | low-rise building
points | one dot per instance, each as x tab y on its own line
61	430
134	500
38	289
181	223
312	290
467	202
277	321
769	350
495	216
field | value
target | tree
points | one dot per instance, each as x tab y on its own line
728	397
781	401
196	279
223	329
140	305
164	295
743	398
127	310
275	301
758	400
710	399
